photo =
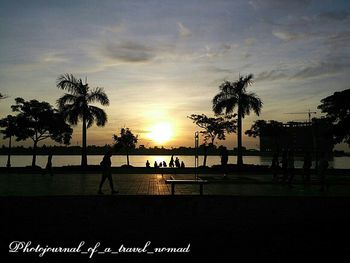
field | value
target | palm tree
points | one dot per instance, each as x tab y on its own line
232	95
75	106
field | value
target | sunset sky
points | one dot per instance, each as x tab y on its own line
160	61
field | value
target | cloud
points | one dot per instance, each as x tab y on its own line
128	51
246	55
320	70
215	69
183	31
279	4
142	131
337	16
53	57
250	41
286	35
340	39
270	75
115	29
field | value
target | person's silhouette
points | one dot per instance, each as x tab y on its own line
177	162
148	164
155	164
171	163
182	164
48	168
106	172
164	164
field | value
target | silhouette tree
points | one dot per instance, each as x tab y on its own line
10	125
126	140
75	106
232	95
39	121
337	108
214	127
273	129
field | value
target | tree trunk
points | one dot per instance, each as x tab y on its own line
205	155
8	165
34	154
127	157
84	154
239	137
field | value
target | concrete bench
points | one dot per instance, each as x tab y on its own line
174	181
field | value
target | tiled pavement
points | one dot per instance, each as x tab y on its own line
154	184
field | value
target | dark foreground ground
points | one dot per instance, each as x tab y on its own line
218	228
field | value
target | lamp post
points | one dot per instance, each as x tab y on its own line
196	161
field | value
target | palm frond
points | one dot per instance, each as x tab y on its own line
223	101
226	87
99	115
219	103
256	105
89	120
98	95
71	113
242	83
250	101
66	98
68	82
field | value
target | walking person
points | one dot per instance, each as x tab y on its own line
106	172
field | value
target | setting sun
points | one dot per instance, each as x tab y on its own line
161	132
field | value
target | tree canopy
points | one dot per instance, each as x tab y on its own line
270	128
39	121
125	140
10	126
214	127
337	109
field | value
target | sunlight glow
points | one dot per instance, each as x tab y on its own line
161	132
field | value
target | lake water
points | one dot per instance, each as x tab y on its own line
140	160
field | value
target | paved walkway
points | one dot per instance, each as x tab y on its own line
154	184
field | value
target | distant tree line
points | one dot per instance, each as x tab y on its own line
100	150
